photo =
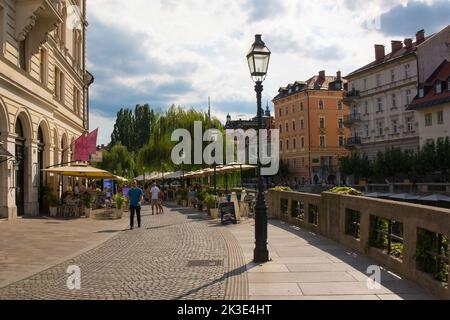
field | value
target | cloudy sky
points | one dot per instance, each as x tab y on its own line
165	52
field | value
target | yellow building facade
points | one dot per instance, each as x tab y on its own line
310	116
43	95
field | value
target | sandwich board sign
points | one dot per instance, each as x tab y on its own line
227	213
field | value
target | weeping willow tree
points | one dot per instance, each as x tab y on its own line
159	147
119	161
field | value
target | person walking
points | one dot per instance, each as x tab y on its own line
155	198
136	196
160	201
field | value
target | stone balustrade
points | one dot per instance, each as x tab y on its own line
396	235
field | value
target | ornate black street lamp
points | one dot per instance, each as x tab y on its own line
258	61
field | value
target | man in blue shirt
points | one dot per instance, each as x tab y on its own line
135	196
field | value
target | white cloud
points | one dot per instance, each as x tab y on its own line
104	123
203	43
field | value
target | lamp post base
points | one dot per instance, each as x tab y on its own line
261	255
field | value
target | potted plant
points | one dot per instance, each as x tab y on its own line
201	199
184	197
88	201
52	200
120	201
211	203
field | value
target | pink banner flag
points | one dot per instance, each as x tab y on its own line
80	151
91	141
85	146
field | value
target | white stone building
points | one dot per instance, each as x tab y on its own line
379	94
432	106
43	95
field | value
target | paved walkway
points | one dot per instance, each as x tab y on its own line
306	266
28	246
180	255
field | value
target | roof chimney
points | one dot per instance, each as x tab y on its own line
396	45
339	76
322	74
379	52
420	36
408	43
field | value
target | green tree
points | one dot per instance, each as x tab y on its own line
118	161
124	129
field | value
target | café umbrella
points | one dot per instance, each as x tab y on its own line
81	172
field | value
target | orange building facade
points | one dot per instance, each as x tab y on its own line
310	116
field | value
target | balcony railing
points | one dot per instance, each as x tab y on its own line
352	118
353	142
352	95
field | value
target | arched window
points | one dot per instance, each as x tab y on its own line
40	135
19	129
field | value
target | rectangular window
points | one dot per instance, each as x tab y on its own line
365	84
380	105
378	80
287	127
408	97
440	117
284	205
293	125
367	132
303	142
387	236
409	124
407	71
341	123
380	129
294	143
392	75
366	107
313	215
438	87
322	123
301	106
321	105
62	88
433	255
298	210
353	223
302	124
428	120
322	141
341	141
43	66
394	126
57	83
22	55
394	101
281	128
287	145
340	105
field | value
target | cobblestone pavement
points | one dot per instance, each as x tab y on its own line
163	260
